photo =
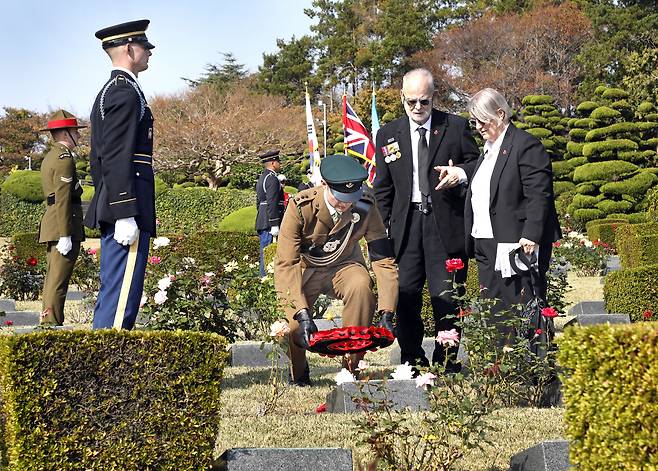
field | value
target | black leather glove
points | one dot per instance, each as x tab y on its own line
387	321
306	328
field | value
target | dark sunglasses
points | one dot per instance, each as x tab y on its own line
413	102
474	122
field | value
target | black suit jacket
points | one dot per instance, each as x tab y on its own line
521	200
121	155
269	201
450	138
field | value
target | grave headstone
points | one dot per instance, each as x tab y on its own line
20	318
428	346
612	264
250	354
7	305
401	394
75	295
285	459
612	318
552	455
588	307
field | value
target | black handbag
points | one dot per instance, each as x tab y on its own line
540	329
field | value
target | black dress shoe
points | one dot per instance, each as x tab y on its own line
303	381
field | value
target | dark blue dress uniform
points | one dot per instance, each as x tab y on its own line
269	203
122	172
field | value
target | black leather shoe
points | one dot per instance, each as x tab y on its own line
386	321
303	381
306	328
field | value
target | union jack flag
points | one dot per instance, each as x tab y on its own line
357	140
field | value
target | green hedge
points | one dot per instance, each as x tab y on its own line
242	220
185	210
637	244
632	291
611	145
610	396
561	187
24	184
610	171
586	107
613	129
604	113
633	218
587	214
561	168
18	215
611	206
636	186
575	148
539	133
537	100
111	400
26	245
604	230
211	248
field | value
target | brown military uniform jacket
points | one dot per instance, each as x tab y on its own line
309	239
63	216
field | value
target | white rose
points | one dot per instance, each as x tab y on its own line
344	376
160	297
403	371
164	283
160	242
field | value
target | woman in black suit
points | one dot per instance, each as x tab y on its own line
509	201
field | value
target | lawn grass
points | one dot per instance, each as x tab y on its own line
294	423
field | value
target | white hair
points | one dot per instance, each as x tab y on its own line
486	104
419	73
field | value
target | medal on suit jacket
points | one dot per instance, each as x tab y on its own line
391	151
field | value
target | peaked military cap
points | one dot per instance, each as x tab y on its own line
344	176
62	119
269	156
130	32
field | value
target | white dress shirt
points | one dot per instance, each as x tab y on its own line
480	189
333	212
415	139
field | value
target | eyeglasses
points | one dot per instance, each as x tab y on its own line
474	122
411	103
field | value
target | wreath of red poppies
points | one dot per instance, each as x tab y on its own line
351	339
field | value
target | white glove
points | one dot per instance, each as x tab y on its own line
125	231
274	230
64	245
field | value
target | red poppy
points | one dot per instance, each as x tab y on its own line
647	314
9	323
464	313
549	312
454	264
321	408
556	244
32	261
538	332
596	243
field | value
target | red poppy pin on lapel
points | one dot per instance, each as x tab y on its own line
436	131
504	151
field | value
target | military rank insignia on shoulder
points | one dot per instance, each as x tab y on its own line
63	155
303	197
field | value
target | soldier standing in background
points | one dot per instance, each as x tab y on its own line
123	207
61	226
269	203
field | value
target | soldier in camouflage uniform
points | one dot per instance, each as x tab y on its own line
318	252
61	225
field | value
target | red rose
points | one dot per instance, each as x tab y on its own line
549	312
556	244
538	332
647	314
9	323
32	261
596	243
321	408
454	264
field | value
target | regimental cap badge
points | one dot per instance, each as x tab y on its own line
349	185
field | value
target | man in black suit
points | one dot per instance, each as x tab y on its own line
424	215
123	206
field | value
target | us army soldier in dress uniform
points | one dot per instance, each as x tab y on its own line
269	203
61	226
318	252
123	207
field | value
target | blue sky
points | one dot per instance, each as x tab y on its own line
51	59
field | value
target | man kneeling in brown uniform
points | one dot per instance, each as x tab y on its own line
318	252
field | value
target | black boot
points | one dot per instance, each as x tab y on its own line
306	328
303	381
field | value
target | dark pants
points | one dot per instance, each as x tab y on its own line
265	240
56	284
122	280
511	291
422	257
